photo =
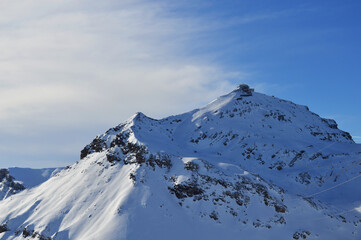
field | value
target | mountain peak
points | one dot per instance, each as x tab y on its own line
236	166
137	116
244	90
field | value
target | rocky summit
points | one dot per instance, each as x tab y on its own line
246	166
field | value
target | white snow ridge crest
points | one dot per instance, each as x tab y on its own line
245	166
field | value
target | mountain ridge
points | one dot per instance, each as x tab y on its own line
243	164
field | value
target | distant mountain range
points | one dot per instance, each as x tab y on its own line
14	180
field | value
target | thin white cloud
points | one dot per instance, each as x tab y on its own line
77	64
70	53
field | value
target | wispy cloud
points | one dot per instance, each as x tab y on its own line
71	55
78	64
70	69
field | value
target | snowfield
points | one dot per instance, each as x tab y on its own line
246	166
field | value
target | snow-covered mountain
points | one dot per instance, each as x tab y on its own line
247	165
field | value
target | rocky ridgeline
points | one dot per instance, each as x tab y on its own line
252	130
206	184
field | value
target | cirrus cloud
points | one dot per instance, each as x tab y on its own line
78	67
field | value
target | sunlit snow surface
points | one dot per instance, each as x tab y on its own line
253	167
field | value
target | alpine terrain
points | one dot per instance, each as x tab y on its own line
246	166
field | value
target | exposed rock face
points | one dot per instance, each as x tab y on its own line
244	165
245	90
3	228
8	185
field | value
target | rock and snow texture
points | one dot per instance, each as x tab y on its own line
245	166
8	185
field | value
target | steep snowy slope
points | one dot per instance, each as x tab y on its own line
246	165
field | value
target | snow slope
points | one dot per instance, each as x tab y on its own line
246	165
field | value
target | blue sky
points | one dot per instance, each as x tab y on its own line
72	69
309	49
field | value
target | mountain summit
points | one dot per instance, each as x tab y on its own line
246	165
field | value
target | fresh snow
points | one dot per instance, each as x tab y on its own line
253	167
